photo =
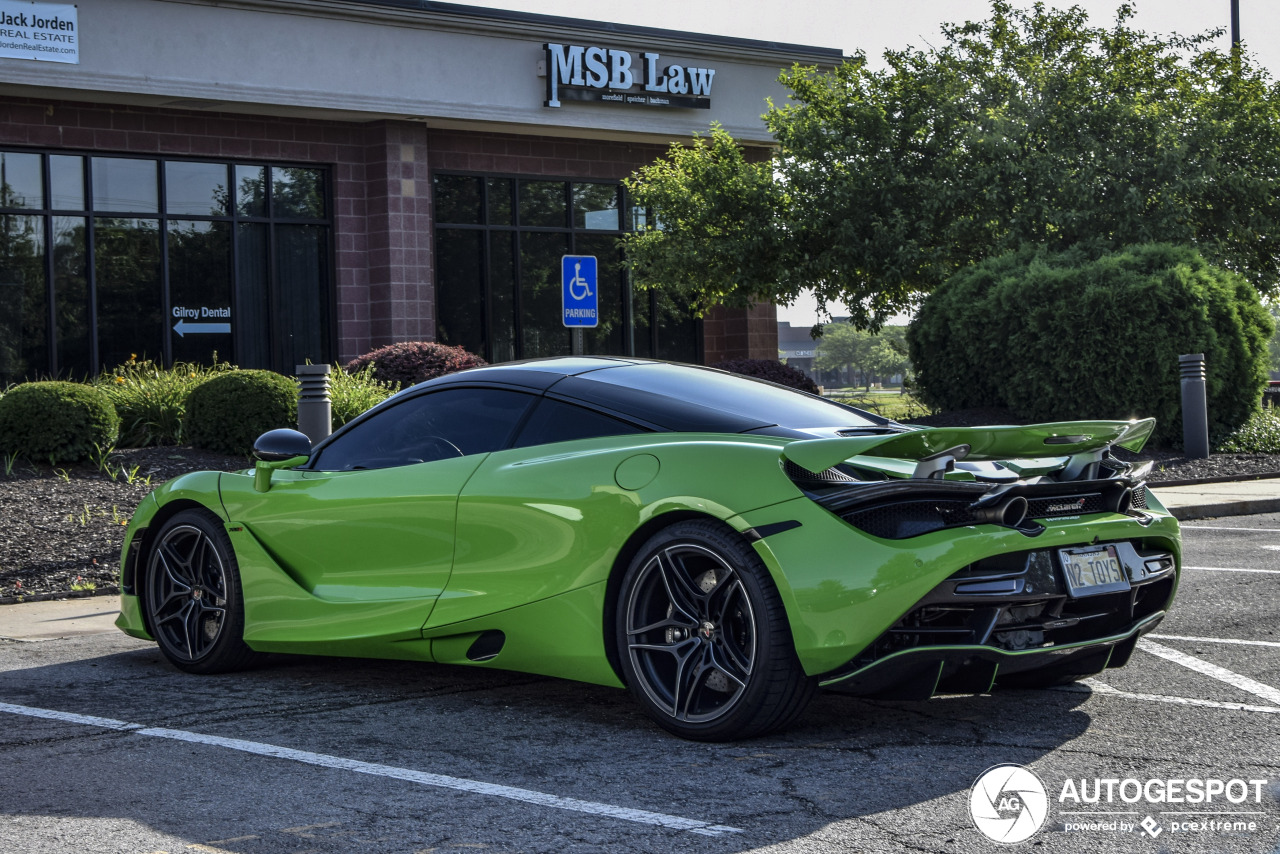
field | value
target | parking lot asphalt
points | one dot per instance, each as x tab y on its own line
105	748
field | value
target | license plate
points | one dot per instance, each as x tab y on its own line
1092	571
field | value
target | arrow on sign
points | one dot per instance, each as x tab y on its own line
182	328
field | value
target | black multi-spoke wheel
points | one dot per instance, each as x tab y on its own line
193	598
703	637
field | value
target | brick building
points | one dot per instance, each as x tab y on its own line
309	179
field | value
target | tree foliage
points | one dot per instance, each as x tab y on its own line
879	354
1031	127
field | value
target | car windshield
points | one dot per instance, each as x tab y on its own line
762	402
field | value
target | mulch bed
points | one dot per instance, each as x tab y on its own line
63	528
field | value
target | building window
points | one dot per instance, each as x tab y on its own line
498	244
107	257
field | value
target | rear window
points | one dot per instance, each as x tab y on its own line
753	400
556	421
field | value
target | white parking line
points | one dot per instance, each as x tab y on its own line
703	828
1215	640
1213	671
1232	569
1106	690
68	717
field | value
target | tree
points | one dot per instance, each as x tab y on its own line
1273	344
881	354
1031	127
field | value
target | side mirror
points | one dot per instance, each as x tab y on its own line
278	449
276	446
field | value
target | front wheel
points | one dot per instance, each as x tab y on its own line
703	637
193	600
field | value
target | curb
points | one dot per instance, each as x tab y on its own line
1248	507
64	594
1197	481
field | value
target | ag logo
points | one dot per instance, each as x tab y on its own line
1008	803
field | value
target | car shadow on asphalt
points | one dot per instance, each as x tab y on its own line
845	758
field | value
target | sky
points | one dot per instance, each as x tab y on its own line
873	27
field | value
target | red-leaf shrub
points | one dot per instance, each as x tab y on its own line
768	369
414	361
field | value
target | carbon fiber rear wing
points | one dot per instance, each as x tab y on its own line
1081	442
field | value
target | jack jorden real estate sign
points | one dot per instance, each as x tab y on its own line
583	73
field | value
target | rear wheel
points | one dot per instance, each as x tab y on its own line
704	640
193	600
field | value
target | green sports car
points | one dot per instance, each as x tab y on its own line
718	545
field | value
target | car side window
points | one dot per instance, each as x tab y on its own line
453	422
557	421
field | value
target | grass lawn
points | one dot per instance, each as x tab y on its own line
889	403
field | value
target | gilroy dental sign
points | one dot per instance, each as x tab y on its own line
584	73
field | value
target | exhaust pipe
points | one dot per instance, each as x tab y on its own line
1124	501
1010	514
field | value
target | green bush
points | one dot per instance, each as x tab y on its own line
351	394
229	411
1259	435
152	400
1064	336
61	422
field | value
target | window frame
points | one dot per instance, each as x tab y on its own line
626	224
91	213
386	410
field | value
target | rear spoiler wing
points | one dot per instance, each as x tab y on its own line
1057	439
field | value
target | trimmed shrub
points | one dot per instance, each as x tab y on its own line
1259	435
354	393
228	412
413	362
1067	336
151	401
58	422
771	370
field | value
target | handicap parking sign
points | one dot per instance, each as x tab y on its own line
579	296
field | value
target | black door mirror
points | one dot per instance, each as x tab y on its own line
276	446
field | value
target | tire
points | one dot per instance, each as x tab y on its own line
194	606
703	638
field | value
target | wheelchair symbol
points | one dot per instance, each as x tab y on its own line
578	280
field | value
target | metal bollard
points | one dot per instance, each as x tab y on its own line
1195	410
315	413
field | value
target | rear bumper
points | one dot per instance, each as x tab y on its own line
919	673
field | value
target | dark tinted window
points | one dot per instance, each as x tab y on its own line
428	427
556	421
732	395
457	199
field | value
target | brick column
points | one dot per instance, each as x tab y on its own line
740	333
400	295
